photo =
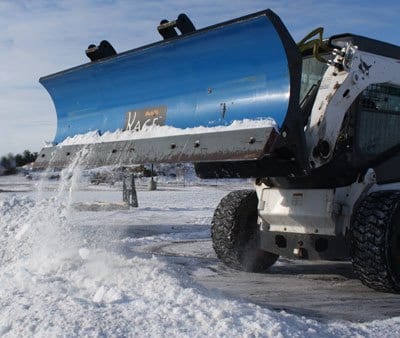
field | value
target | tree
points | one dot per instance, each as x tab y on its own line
9	164
19	160
25	158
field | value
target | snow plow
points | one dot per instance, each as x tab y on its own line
315	123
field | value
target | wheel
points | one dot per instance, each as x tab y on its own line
234	233
375	241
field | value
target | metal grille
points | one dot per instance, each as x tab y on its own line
379	119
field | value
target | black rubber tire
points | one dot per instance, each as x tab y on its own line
234	233
375	241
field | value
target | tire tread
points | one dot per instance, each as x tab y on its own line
368	237
232	240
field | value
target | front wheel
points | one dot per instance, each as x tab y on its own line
234	233
375	241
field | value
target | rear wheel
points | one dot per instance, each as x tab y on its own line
234	233
375	241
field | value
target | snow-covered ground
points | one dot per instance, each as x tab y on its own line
65	272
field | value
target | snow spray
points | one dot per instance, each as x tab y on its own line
38	228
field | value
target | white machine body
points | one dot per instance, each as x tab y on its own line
350	73
313	211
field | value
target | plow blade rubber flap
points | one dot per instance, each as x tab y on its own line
241	69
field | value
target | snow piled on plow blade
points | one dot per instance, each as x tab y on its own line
162	131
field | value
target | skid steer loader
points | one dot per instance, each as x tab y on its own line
316	124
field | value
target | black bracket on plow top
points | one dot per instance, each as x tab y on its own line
103	50
183	23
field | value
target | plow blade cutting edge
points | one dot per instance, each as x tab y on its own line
235	71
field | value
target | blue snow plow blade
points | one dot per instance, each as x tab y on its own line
211	77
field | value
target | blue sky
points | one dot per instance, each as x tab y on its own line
42	37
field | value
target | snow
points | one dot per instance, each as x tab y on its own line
70	273
152	131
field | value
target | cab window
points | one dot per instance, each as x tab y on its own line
378	119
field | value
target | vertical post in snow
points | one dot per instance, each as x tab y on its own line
124	189
184	176
152	184
129	194
133	196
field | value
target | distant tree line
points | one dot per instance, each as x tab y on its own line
9	163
